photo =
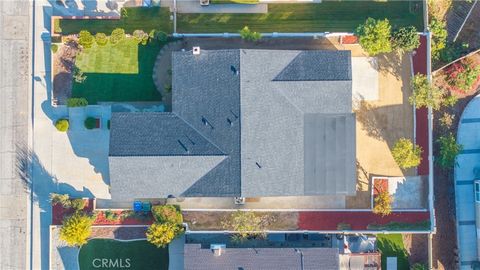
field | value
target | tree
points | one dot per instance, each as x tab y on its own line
167	213
383	204
439	37
85	39
249	35
449	149
118	34
101	39
161	234
62	125
406	39
76	229
406	154
374	36
424	94
246	224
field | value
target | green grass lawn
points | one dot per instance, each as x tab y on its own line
391	245
121	87
120	58
122	255
146	19
328	16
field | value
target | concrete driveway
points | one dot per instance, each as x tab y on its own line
466	171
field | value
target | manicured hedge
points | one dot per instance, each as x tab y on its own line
90	123
62	125
77	102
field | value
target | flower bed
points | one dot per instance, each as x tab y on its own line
462	77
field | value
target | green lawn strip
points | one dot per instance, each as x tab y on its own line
233	1
120	58
117	87
138	18
122	255
328	16
391	245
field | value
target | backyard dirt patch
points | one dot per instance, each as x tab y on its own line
417	247
470	33
212	221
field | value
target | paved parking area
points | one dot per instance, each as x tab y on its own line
466	171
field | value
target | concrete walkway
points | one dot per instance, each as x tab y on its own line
91	8
465	172
193	6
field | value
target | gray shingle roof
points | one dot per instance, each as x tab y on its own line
197	258
227	103
318	66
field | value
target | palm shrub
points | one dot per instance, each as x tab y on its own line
167	214
374	36
449	149
101	39
383	204
62	125
76	229
62	199
406	154
85	39
161	234
406	39
425	94
249	35
90	123
54	48
118	34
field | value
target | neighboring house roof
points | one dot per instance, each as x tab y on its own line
197	258
281	121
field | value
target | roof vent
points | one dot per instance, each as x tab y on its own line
258	165
196	50
234	70
218	249
206	123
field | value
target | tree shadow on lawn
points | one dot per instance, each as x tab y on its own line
40	183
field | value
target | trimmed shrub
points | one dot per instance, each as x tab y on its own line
406	39
118	34
111	216
85	39
101	39
140	37
424	94
62	125
406	154
249	35
76	229
161	36
62	199
77	102
90	123
374	36
161	235
54	48
167	213
383	204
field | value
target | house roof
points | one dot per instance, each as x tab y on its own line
197	258
281	120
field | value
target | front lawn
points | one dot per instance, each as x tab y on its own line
120	58
112	254
138	18
328	16
119	86
391	245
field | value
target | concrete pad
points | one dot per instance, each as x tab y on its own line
364	78
465	202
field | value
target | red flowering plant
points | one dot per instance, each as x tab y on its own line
463	77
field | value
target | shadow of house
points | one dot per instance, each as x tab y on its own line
40	183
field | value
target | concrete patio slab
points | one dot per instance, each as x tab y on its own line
365	78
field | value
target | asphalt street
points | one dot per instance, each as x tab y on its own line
15	79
